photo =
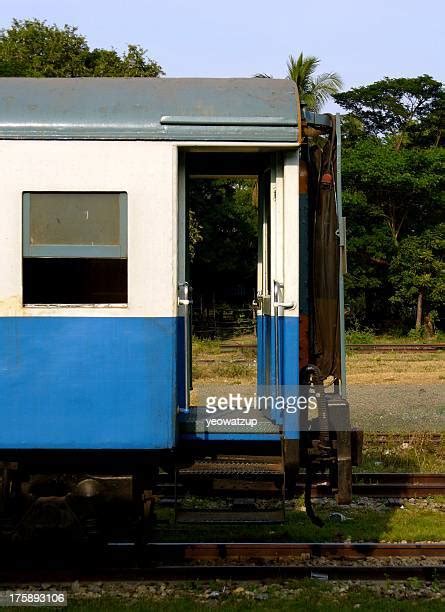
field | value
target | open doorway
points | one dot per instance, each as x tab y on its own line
223	246
227	261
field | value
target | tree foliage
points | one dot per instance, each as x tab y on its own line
404	108
393	178
418	270
393	175
33	48
224	232
402	188
314	89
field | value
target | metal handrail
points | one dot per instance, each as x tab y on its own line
279	307
186	302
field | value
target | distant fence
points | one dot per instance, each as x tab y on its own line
221	322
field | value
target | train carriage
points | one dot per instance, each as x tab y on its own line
95	351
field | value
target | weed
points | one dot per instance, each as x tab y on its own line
360	336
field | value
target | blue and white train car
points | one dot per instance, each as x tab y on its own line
93	304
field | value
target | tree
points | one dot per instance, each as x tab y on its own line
408	110
32	48
393	193
418	275
370	250
403	188
352	130
314	90
223	232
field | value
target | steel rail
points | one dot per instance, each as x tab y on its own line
238	561
389	484
179	552
366	484
367	348
222	572
424	478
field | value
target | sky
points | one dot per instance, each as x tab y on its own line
361	40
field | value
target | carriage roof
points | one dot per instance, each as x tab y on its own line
253	109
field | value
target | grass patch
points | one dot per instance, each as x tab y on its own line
417	452
289	595
364	523
204	346
368	336
360	336
212	363
404	368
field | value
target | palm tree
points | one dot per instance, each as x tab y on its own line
314	90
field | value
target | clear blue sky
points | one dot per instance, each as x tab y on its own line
363	41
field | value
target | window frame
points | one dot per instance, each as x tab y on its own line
104	251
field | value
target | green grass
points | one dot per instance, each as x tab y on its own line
282	596
353	336
394	338
204	346
387	524
368	336
419	453
360	336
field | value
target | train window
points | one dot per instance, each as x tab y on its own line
74	224
74	248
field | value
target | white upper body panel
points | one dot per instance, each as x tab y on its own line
146	171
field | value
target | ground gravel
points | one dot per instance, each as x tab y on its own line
398	407
412	589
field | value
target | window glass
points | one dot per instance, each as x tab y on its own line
74	218
53	280
75	248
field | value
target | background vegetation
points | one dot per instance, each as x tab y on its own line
393	178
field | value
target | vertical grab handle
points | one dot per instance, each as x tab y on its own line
276	294
279	308
186	302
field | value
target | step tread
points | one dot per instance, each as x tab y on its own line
232	468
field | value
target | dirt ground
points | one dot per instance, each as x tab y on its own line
396	368
387	391
215	361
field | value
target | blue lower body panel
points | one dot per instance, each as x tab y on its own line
87	383
288	335
279	422
288	355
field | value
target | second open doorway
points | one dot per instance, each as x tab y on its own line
227	262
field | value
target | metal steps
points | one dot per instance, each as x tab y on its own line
234	468
241	489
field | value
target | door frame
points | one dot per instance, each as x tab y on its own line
279	235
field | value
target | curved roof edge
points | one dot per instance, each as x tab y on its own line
257	110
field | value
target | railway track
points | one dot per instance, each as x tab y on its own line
365	484
226	572
279	551
399	348
246	561
410	438
126	561
391	484
364	348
